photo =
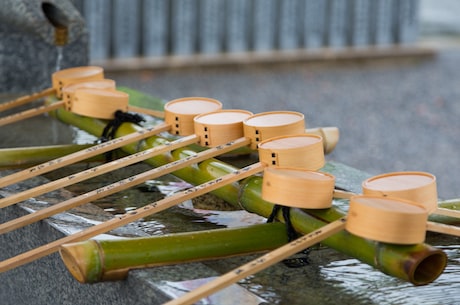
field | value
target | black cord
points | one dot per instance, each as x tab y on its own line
300	259
112	126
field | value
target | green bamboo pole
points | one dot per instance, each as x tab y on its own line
451	204
204	171
107	260
419	264
20	157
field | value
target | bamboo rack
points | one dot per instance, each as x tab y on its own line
250	198
220	180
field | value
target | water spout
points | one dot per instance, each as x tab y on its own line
60	22
60	36
53	21
39	36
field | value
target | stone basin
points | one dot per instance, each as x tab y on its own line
331	277
48	281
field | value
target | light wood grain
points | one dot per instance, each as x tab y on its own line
26	99
154	113
443	228
26	114
81	155
97	170
447	212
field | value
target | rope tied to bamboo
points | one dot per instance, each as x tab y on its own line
301	258
112	126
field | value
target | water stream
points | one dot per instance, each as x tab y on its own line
59	57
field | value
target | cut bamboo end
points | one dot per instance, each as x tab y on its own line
179	113
298	188
65	77
69	90
99	103
220	127
418	187
389	220
300	151
266	125
82	260
430	266
330	137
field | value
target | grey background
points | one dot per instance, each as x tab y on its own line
393	114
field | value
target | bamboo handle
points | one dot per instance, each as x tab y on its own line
119	186
447	212
98	170
131	216
261	263
442	228
30	113
26	99
155	113
82	155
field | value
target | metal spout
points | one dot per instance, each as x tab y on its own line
60	22
60	36
56	22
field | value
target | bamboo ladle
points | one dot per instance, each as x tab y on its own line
97	98
372	217
411	185
147	210
286	186
100	102
392	220
59	80
415	186
68	95
88	109
233	124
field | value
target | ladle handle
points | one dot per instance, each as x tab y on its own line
447	212
26	99
82	155
30	113
155	113
95	171
339	194
260	263
442	228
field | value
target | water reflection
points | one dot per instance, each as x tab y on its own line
332	278
363	281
